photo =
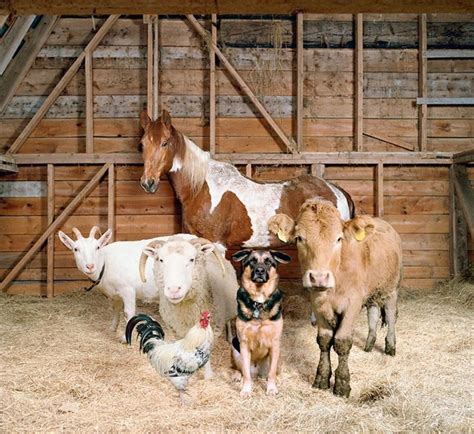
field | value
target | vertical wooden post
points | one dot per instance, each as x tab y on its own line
248	170
149	69
156	58
318	170
50	245
89	103
379	191
111	200
212	86
422	81
299	81
358	82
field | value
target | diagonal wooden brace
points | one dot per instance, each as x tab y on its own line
245	88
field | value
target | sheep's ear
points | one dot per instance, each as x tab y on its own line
104	239
280	257
68	242
241	255
207	248
144	119
150	251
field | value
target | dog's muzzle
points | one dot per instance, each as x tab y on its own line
259	275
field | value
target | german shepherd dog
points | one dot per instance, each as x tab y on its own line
259	324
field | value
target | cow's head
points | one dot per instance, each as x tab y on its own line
160	144
320	234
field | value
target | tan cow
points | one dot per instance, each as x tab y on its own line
346	265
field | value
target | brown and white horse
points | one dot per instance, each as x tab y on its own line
218	203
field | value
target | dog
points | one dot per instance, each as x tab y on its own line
259	323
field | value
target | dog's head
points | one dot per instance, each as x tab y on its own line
260	265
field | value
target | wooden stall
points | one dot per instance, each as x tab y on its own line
377	103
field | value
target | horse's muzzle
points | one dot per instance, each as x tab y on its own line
149	185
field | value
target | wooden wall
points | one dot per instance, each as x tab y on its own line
416	198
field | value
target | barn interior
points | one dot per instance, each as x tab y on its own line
377	99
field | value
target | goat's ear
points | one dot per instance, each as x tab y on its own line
68	242
104	239
207	248
241	255
283	226
144	119
280	257
166	119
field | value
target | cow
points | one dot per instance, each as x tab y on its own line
345	266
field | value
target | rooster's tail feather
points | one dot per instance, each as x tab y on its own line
147	328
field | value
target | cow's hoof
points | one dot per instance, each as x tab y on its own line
321	382
342	388
369	345
389	350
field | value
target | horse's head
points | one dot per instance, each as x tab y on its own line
159	149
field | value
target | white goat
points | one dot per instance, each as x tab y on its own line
191	280
113	269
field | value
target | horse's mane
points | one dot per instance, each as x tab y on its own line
193	161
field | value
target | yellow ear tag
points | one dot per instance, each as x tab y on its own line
282	236
360	235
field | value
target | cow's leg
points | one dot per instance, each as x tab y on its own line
391	318
325	340
117	307
373	315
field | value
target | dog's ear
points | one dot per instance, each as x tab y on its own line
280	257
241	255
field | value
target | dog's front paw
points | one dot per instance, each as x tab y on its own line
236	375
246	390
272	390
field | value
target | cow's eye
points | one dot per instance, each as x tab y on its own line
339	240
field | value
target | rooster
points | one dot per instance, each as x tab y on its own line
177	360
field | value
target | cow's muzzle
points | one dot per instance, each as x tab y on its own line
318	279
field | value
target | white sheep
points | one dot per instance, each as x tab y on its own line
190	280
113	269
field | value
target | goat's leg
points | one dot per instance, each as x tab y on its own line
129	309
117	307
324	372
390	308
373	315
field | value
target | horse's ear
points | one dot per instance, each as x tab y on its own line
166	118
144	119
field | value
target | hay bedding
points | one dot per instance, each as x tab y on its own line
61	369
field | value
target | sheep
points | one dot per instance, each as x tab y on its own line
113	269
190	280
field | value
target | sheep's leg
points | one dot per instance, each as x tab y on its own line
208	372
272	373
325	340
373	315
246	360
129	306
117	307
391	318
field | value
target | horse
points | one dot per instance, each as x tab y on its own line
218	202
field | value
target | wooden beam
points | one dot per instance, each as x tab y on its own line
358	82
89	103
379	191
435	158
13	39
422	81
156	59
245	88
212	86
248	170
465	194
299	80
50	248
392	141
464	157
48	102
149	70
53	227
8	164
450	54
22	62
317	170
111	200
445	101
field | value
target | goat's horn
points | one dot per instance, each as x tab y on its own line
77	232
93	231
216	253
144	257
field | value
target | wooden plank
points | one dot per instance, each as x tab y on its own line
21	64
149	68
111	200
299	80
53	227
89	103
248	170
390	140
358	82
212	86
50	248
422	81
444	101
464	157
258	105
465	195
62	84
379	190
156	59
449	54
318	170
13	39
3	20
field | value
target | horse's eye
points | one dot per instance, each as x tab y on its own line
164	144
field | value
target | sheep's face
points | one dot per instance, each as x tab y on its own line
175	263
87	251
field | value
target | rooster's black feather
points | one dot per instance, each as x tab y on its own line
147	328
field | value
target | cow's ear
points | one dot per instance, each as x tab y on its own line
280	257
359	228
144	119
283	226
241	255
